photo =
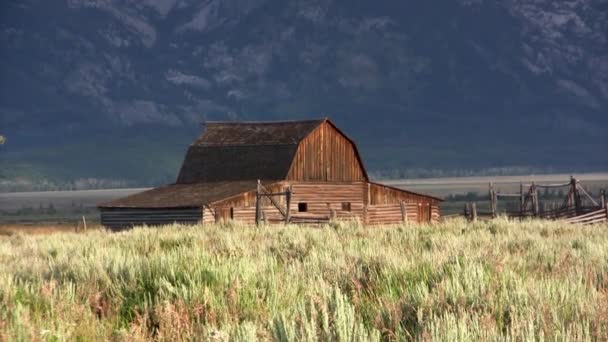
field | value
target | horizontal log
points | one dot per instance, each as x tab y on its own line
595	221
591	218
601	211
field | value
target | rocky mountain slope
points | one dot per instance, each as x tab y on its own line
466	83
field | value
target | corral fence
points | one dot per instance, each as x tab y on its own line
578	206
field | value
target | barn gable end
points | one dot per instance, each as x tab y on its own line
327	155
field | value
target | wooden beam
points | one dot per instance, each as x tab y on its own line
577	196
257	203
474	211
403	212
288	200
521	199
535	199
263	192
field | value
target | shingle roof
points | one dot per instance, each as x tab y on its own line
256	133
237	151
183	195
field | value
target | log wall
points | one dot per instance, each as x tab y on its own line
322	198
382	194
122	218
373	204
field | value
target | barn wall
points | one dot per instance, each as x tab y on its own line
392	213
321	198
372	203
427	208
326	155
380	194
121	218
247	199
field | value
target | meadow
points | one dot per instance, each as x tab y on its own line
495	280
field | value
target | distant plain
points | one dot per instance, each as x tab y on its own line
32	206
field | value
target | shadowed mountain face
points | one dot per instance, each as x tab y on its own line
119	88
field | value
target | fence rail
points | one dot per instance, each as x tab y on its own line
573	210
597	216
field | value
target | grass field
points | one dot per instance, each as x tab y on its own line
342	282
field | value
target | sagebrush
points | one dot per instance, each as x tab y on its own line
497	280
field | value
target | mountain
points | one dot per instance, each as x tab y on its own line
118	88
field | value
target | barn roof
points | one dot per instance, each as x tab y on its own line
183	195
256	133
237	151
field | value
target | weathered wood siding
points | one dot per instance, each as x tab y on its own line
373	204
326	155
247	199
391	213
321	198
381	194
122	218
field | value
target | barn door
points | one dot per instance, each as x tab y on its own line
223	213
424	212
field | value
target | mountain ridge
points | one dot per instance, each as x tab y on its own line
418	85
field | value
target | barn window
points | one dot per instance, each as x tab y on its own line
345	206
302	207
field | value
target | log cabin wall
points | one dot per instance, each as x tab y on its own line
392	213
372	203
242	206
346	199
326	155
427	207
381	194
122	218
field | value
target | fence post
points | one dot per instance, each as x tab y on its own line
466	211
288	202
577	197
474	211
603	198
521	199
257	204
535	199
403	212
492	199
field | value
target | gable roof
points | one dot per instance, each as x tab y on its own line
256	133
236	151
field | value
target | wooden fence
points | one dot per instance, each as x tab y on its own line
589	215
578	206
593	217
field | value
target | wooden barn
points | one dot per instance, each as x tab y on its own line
294	171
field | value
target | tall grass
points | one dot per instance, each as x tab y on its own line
498	280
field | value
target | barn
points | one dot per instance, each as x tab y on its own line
289	171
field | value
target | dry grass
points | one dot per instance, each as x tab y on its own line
496	280
13	229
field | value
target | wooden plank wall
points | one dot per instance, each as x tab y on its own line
247	199
435	213
391	214
381	194
321	198
208	216
121	218
247	214
326	155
